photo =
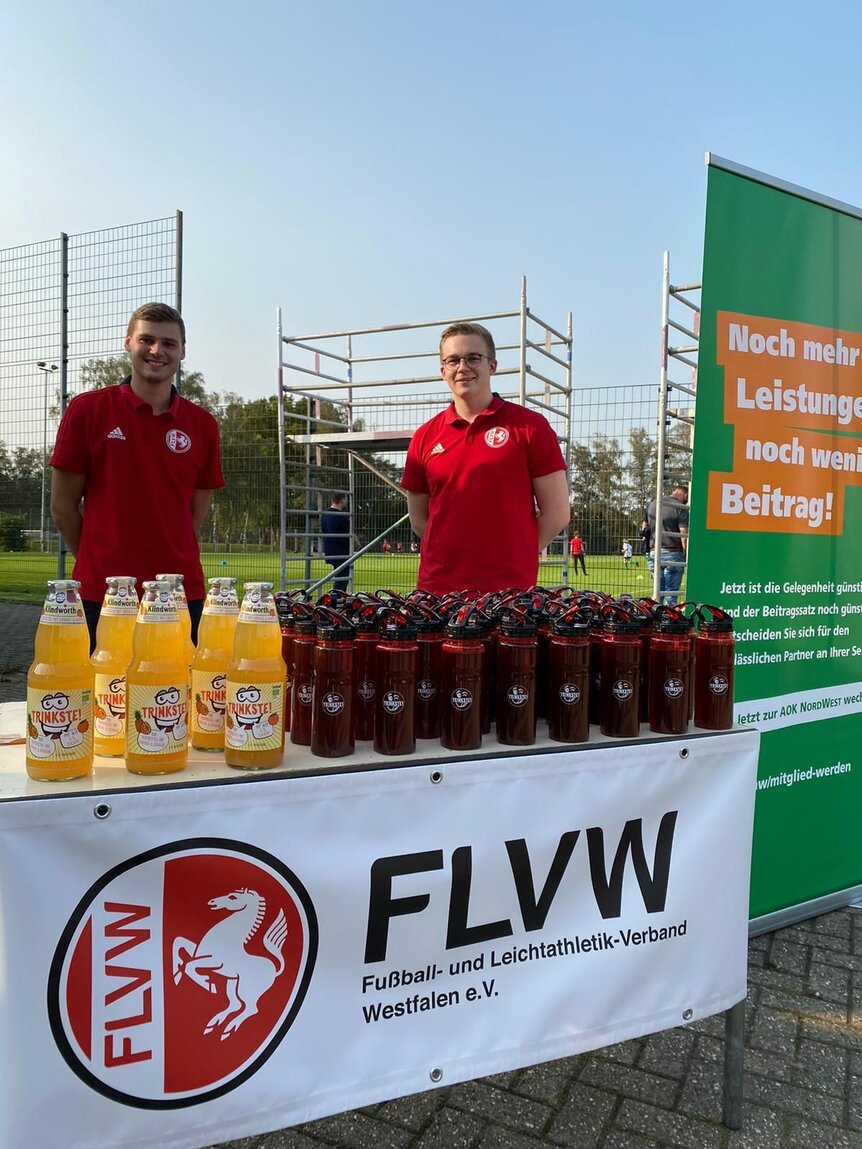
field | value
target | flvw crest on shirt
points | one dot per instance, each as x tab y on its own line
497	437
178	441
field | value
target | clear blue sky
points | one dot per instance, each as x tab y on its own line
366	162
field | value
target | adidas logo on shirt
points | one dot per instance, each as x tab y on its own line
438	450
117	433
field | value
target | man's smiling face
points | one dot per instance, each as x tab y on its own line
156	350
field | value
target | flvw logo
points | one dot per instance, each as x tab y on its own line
181	971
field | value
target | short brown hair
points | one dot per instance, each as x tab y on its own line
471	329
157	313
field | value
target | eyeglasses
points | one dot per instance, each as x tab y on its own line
451	362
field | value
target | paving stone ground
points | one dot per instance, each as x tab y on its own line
803	1055
803	1075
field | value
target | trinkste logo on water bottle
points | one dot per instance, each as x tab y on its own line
393	702
718	684
622	690
673	687
180	972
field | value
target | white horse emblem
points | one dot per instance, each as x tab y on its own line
221	954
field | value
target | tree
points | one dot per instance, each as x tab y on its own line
640	473
598	493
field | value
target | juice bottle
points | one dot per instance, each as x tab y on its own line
157	687
208	702
669	683
332	732
517	656
395	660
110	660
569	677
713	670
620	685
461	703
60	690
176	584
302	675
254	739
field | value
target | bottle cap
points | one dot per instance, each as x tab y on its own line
333	626
396	626
303	618
720	623
515	623
572	623
467	622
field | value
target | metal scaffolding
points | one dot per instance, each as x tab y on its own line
675	298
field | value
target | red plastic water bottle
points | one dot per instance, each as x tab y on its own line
620	684
332	732
302	675
669	683
461	703
429	672
517	655
713	669
396	657
569	677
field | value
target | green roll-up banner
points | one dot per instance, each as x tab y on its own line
776	525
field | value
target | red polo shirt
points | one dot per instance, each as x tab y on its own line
481	531
141	471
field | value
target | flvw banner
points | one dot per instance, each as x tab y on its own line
184	965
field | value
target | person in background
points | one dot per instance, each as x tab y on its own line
336	538
485	479
576	550
673	541
145	462
627	552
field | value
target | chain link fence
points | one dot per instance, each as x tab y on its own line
64	303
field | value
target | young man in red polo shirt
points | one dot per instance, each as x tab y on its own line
145	462
485	479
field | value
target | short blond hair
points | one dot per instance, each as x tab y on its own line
470	329
157	313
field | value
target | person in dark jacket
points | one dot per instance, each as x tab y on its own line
336	537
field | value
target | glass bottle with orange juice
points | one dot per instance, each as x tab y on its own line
177	586
60	690
254	739
157	687
210	663
110	659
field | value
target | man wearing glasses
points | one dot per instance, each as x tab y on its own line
485	479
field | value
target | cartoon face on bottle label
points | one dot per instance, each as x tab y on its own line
462	699
59	724
426	689
718	684
393	702
332	703
518	695
254	715
109	706
622	690
570	693
673	688
365	690
158	717
209	701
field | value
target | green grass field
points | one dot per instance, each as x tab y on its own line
23	576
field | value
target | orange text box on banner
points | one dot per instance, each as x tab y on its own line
793	393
